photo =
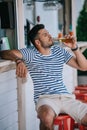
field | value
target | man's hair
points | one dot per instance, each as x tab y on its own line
34	31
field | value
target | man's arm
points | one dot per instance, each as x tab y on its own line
15	55
10	55
79	61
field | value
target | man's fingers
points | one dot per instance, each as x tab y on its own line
21	70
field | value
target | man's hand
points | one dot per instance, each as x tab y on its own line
21	70
72	41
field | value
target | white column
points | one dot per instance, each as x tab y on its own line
20	23
73	15
73	3
21	104
21	84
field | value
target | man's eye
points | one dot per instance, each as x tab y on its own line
45	34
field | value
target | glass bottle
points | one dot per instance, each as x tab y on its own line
62	39
71	31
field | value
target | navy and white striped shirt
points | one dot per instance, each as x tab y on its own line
46	71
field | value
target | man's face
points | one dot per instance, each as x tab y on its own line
45	38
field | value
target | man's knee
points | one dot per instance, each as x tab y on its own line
46	115
42	126
84	120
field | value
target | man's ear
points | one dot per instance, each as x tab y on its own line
37	42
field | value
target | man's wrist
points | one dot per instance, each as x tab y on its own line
74	49
19	60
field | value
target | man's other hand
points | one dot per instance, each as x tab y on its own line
21	70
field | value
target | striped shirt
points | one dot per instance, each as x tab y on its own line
46	70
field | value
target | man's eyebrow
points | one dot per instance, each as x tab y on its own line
43	32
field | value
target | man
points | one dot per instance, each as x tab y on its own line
45	62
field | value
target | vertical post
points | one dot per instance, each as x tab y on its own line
75	80
20	23
21	104
21	86
73	16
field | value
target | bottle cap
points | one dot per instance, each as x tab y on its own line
70	30
70	27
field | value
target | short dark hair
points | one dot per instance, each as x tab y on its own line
33	32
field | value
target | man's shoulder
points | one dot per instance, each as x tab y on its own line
29	49
56	47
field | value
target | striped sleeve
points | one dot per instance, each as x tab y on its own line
27	54
67	55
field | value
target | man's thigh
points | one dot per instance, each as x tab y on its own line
52	101
42	126
75	108
46	116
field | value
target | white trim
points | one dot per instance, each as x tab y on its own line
20	23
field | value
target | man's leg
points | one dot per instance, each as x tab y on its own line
42	126
46	116
84	120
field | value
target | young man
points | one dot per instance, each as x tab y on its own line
45	62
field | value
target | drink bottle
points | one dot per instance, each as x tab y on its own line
62	39
60	35
71	31
67	40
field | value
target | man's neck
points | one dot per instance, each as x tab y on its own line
45	51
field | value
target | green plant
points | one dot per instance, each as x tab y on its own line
81	29
83	73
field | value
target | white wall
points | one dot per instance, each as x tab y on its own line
48	17
78	8
8	101
70	78
28	14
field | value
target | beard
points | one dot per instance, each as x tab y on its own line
47	44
